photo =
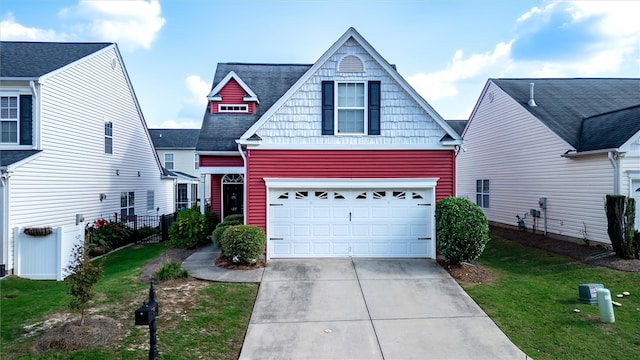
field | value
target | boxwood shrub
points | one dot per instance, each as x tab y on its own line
231	220
243	243
462	230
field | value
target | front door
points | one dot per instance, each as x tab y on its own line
233	199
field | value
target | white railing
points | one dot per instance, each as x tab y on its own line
46	257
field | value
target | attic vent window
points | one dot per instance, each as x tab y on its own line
351	63
233	108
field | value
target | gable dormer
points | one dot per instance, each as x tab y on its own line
232	95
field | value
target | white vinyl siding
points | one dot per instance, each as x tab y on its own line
74	103
403	122
522	157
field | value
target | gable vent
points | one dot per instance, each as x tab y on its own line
351	63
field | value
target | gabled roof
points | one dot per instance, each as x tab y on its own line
609	130
220	131
21	59
351	33
562	104
457	125
214	95
174	138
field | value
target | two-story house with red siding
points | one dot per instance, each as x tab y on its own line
333	159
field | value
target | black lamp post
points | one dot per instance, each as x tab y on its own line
146	315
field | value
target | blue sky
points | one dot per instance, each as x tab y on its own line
445	49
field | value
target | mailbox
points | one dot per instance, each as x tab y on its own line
147	313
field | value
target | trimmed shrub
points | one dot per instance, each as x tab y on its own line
234	217
231	220
186	231
243	243
462	230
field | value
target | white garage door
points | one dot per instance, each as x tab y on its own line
350	222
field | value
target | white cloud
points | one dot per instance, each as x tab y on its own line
132	24
198	90
176	124
535	11
442	84
11	30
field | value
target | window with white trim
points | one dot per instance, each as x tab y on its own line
233	108
108	137
196	161
9	117
150	200
127	205
482	193
168	161
350	109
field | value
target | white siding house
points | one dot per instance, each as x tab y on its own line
176	149
83	150
578	143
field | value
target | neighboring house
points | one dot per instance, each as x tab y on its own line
333	159
73	140
569	141
176	149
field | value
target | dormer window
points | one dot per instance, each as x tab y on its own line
233	108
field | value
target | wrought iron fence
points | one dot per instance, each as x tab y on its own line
114	231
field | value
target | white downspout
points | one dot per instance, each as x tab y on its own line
4	219
203	191
613	158
36	116
244	183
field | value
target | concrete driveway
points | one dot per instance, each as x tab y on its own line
368	309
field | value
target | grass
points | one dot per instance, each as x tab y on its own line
534	298
207	320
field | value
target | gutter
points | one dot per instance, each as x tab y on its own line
614	158
574	153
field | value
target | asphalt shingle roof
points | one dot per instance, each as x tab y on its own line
34	59
563	104
610	130
174	138
268	81
8	157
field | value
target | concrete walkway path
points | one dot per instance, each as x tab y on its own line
359	309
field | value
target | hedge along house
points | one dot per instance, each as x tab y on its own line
334	159
73	143
567	141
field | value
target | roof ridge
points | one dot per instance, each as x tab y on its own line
262	64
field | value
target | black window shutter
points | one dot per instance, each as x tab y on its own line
327	108
374	108
26	120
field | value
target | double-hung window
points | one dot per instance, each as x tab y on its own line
168	161
9	117
108	137
196	161
351	108
482	193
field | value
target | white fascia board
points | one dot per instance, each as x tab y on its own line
351	183
352	33
232	75
220	170
476	106
218	153
13	78
438	146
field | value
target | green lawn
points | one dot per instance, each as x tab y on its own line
534	298
207	321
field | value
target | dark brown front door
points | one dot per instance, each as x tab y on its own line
232	199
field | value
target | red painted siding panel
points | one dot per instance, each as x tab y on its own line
343	164
221	161
232	93
216	196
